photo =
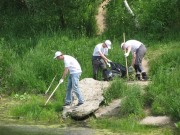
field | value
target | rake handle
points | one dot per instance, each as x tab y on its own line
126	58
52	93
50	84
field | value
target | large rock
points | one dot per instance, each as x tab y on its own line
113	109
156	120
92	91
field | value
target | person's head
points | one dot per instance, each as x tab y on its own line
123	46
58	55
107	44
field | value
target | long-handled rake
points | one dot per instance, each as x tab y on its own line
52	93
126	58
50	84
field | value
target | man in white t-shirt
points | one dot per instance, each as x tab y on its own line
72	66
138	51
99	57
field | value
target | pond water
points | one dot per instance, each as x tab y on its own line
12	129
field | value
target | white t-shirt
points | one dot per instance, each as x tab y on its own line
99	48
134	45
72	64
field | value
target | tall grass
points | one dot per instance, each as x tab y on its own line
133	102
132	97
32	69
164	92
33	109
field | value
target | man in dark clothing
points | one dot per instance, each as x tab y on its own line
99	58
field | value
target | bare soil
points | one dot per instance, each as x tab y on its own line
100	17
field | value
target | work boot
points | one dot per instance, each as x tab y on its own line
138	77
144	76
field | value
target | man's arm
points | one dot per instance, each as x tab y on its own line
126	54
104	57
65	73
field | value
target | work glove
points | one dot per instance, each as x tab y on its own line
109	65
109	60
126	54
61	81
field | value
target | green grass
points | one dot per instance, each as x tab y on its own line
33	109
33	71
132	97
128	125
164	92
162	95
27	67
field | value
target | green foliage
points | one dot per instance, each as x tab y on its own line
34	109
178	126
132	98
25	96
118	125
153	19
133	102
33	30
164	92
115	91
36	16
117	20
31	66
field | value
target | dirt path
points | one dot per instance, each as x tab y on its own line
100	17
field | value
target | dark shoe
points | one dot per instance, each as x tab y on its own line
79	104
144	76
138	77
67	104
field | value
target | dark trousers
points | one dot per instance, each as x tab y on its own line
98	63
141	51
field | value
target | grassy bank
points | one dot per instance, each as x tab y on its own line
34	70
32	32
161	96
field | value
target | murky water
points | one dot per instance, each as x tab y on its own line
42	130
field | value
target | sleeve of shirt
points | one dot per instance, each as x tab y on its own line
98	49
66	63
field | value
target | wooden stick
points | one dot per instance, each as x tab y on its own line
52	93
126	59
50	84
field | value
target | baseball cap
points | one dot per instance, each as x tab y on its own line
108	43
58	53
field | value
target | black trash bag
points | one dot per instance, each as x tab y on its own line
118	69
107	75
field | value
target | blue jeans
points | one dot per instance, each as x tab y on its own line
73	85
